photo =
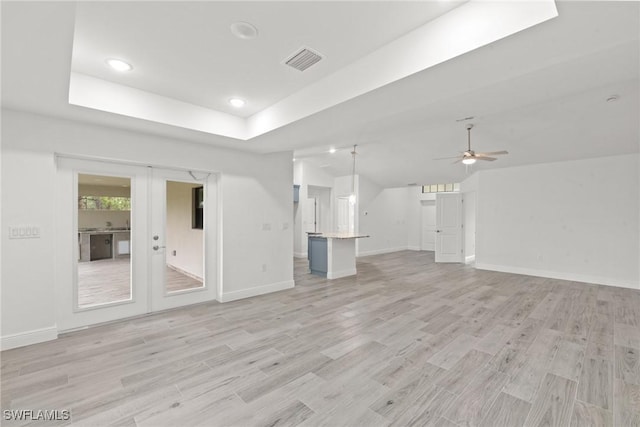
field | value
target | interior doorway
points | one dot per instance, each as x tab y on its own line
428	225
322	211
449	238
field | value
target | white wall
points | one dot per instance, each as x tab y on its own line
573	220
469	208
181	238
344	186
413	218
99	218
254	190
382	214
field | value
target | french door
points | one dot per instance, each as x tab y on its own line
132	240
181	274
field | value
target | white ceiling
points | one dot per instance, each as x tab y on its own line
186	51
539	93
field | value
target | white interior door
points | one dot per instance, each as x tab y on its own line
428	225
183	235
449	227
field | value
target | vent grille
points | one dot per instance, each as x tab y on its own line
303	59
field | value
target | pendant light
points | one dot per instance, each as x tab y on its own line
352	197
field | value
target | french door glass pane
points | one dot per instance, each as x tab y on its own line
104	240
184	252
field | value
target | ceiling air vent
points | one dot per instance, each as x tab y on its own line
303	59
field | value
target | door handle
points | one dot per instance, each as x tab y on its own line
155	248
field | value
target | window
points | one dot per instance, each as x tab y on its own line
198	208
441	188
104	203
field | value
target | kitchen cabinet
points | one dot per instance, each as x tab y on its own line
96	244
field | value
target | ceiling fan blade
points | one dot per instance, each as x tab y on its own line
446	158
491	159
493	153
457	161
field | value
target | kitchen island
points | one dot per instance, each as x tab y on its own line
333	255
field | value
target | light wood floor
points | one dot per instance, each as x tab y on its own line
108	280
406	342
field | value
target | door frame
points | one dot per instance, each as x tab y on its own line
424	204
307	212
450	230
68	315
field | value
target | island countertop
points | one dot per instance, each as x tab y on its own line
103	231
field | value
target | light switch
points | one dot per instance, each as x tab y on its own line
24	232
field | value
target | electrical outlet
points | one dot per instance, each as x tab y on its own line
174	252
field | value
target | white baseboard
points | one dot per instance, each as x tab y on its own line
255	291
382	251
596	280
300	255
27	338
341	273
413	248
469	259
185	272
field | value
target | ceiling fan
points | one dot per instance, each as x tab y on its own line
469	157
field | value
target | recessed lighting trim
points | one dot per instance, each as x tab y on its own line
119	64
244	30
613	98
332	150
237	102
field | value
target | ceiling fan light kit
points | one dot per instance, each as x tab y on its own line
469	157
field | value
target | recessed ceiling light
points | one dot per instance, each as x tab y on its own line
613	98
332	150
237	102
244	30
119	64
